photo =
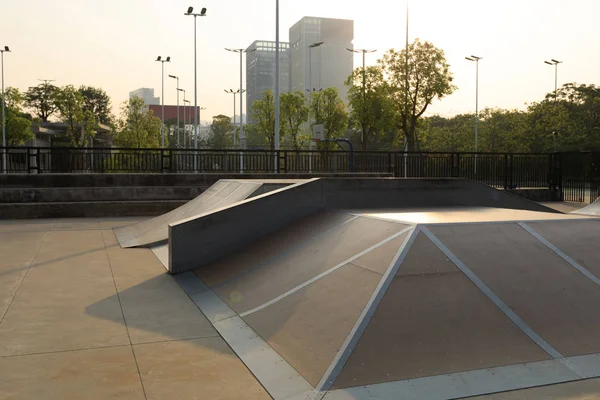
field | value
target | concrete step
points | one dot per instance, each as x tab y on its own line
88	209
108	193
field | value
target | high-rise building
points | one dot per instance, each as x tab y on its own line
145	94
260	70
331	62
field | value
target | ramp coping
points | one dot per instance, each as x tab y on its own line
325	273
363	320
537	339
560	253
276	375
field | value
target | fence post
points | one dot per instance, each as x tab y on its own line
390	163
457	166
285	161
162	160
506	171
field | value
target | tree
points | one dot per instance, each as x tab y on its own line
97	102
294	114
371	110
328	109
42	100
414	82
81	123
263	112
137	127
221	132
18	124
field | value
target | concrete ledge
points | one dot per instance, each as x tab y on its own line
88	209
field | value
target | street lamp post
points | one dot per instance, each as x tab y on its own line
233	92
190	11
178	130
364	85
310	47
476	59
241	90
162	98
176	77
555	63
4	167
185	106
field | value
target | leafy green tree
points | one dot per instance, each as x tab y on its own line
221	132
328	109
254	139
137	127
294	114
263	112
42	99
414	83
81	123
97	102
18	124
371	109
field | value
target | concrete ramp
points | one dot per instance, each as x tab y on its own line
221	194
202	239
592	209
349	306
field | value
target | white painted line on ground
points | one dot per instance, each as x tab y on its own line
365	317
470	383
278	377
560	253
289	251
493	297
324	274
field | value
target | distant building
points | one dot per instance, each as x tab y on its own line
171	113
260	70
332	63
145	94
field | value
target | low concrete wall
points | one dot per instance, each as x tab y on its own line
537	194
206	238
197	241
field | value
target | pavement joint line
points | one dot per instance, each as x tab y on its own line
340	359
560	253
489	293
286	252
327	272
122	313
42	353
279	379
44	241
479	382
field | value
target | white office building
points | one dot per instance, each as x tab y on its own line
147	95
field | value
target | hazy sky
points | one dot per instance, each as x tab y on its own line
113	43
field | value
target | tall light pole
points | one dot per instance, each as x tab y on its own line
364	85
176	77
555	63
185	101
476	59
190	11
241	90
310	47
4	168
233	92
277	106
200	109
162	98
180	90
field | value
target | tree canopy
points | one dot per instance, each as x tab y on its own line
221	132
137	127
294	113
42	99
97	102
18	124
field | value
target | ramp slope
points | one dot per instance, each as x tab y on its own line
155	230
592	209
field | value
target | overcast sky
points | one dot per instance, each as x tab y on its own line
112	44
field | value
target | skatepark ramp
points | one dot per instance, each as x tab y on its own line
340	304
223	193
592	209
201	239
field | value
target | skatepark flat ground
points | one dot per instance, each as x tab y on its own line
82	318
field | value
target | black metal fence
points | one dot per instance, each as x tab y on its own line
575	175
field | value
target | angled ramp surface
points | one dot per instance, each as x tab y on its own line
592	209
156	230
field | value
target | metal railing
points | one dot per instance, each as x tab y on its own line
575	174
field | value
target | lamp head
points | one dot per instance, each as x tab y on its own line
158	58
168	59
190	10
203	11
173	76
6	49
